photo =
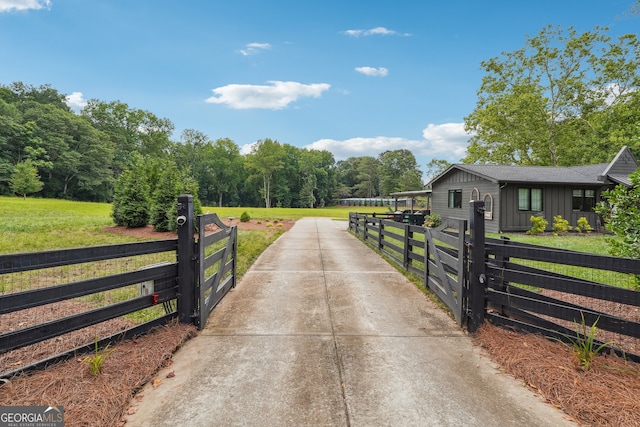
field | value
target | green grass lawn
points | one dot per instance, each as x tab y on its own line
32	224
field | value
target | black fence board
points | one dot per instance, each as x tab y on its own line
387	233
36	297
569	313
560	256
90	348
23	337
395	248
14	263
548	280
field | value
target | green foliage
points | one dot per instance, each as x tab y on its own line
538	224
131	196
82	157
432	220
621	214
96	361
564	98
584	344
583	226
399	172
25	179
560	226
164	198
245	217
265	160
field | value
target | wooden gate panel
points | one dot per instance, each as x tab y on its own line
213	287
445	272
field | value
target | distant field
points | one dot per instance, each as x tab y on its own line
339	212
41	224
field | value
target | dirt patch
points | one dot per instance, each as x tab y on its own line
149	233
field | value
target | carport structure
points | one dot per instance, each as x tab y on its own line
411	196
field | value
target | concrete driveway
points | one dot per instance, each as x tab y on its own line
323	332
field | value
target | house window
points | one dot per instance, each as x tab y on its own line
584	200
455	199
530	199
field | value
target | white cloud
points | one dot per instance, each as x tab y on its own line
246	148
253	48
363	146
275	96
372	71
377	31
446	141
76	101
9	5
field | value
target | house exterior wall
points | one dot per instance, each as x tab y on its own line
625	164
467	182
556	200
505	215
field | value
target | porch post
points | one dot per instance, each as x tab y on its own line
186	260
477	276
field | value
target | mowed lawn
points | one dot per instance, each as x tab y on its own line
33	224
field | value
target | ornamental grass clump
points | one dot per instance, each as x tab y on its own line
96	361
585	346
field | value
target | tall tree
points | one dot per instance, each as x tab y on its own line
265	160
316	168
130	130
399	172
436	166
223	165
539	105
367	179
78	157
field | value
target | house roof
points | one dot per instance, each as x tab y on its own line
584	175
542	174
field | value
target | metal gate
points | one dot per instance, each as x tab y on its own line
216	264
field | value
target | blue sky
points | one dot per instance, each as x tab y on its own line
352	77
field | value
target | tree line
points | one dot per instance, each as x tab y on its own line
48	149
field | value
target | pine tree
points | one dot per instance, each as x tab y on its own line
25	179
131	196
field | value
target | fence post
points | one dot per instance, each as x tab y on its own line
407	246
477	276
186	260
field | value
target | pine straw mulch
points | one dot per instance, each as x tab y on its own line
607	394
100	400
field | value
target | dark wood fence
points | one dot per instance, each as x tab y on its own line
157	281
437	255
526	287
96	261
551	291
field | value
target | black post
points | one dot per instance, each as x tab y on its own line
407	246
477	276
186	259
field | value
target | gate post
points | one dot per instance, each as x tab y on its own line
477	276
186	259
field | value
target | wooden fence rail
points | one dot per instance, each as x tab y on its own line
14	334
435	255
82	287
523	286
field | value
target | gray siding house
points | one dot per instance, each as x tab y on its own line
512	194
